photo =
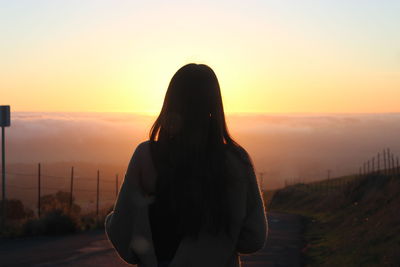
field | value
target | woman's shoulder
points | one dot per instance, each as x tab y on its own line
148	173
144	144
239	162
142	151
238	153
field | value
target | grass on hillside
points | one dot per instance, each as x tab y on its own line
356	222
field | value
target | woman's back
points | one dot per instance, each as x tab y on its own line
164	223
208	206
130	225
165	234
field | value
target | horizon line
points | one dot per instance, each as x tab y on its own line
144	113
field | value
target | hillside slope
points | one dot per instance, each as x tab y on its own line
352	223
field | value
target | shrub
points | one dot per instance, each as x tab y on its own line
54	222
88	222
59	201
15	209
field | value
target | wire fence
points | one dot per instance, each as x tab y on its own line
72	189
382	164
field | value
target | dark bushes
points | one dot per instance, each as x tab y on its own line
15	209
54	222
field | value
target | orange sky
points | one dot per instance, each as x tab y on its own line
108	56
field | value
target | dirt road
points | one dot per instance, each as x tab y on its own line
93	249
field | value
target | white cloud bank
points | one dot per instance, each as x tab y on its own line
284	146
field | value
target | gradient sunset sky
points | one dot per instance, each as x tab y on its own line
269	56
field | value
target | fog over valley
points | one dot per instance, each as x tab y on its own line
283	146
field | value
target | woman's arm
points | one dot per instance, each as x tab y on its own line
127	226
254	231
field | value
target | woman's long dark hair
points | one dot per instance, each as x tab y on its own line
189	140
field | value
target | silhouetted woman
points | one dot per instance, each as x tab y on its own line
190	196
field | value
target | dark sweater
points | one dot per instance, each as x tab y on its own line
128	226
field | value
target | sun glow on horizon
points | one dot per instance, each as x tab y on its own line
269	57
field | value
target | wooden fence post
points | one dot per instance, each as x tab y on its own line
379	162
72	188
393	169
39	177
384	161
364	168
373	164
97	199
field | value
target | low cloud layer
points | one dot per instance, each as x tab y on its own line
282	146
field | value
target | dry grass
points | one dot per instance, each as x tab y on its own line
354	225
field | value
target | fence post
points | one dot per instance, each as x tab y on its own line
97	200
368	169
393	169
373	164
384	161
72	187
379	163
364	168
39	177
116	185
3	178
